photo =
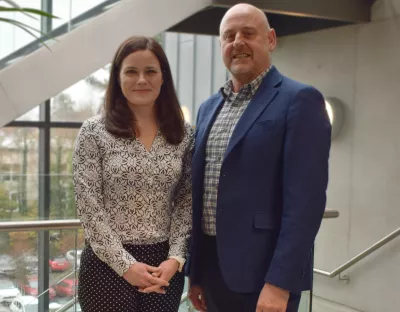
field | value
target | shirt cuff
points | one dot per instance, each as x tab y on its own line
180	260
124	264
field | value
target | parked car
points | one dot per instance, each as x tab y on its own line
31	288
8	291
66	288
59	264
8	266
74	254
30	304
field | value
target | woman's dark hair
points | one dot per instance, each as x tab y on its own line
119	119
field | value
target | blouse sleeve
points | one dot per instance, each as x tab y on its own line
88	183
181	224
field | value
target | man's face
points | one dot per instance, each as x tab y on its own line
245	44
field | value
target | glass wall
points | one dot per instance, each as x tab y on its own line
16	42
36	183
82	100
66	10
11	37
18	172
35	175
36	152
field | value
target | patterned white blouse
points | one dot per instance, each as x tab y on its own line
126	194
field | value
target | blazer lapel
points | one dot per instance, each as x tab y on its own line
260	101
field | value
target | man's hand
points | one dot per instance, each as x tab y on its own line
272	299
167	270
196	296
143	275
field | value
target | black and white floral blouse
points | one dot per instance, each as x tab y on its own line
126	194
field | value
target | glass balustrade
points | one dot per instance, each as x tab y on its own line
21	261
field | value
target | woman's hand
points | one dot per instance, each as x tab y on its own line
145	276
167	270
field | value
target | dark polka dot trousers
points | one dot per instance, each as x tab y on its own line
101	289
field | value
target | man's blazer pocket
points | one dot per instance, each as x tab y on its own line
266	122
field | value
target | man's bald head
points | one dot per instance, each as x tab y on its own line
245	9
246	43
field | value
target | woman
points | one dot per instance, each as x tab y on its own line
131	171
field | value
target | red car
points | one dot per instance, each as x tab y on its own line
67	288
59	264
31	288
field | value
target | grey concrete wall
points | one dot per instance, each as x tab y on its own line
359	65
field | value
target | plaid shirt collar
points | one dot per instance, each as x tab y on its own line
248	89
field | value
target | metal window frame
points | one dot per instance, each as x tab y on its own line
56	32
44	125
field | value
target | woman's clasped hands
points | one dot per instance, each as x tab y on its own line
149	278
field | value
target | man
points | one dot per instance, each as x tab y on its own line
260	171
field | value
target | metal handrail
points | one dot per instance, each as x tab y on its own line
39	225
73	301
67	305
44	225
360	256
330	214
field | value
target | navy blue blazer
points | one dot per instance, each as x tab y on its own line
272	188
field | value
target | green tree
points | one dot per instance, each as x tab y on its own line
62	143
22	187
15	159
8	208
8	205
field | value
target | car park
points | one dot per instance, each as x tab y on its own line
8	291
30	304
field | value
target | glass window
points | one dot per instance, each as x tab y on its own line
11	37
32	115
18	173
82	100
32	307
67	10
62	205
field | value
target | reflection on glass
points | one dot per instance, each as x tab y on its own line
82	100
18	173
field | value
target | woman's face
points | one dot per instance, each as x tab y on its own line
140	78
